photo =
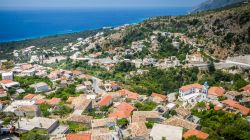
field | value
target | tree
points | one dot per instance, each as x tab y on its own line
211	67
122	122
35	135
149	124
45	109
76	127
62	110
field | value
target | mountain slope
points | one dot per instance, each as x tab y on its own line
222	33
215	4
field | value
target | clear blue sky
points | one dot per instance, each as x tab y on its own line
98	3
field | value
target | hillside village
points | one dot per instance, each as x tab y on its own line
156	85
98	109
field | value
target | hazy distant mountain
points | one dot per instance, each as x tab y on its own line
215	4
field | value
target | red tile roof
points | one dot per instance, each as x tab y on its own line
123	111
124	91
105	100
29	96
197	133
163	97
125	106
54	101
120	114
246	88
216	108
78	137
6	81
77	72
40	101
133	95
244	110
130	95
217	91
188	87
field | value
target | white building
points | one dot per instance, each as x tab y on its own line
7	76
169	132
193	93
40	87
8	84
17	103
28	73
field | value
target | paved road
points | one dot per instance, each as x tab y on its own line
237	63
95	85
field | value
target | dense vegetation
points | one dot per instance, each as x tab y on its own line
76	127
145	106
64	93
38	134
221	125
162	81
26	81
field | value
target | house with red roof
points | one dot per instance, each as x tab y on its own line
133	96
8	84
197	133
40	101
85	136
105	101
54	101
193	93
123	110
158	98
246	88
191	88
215	92
234	106
76	73
129	94
29	96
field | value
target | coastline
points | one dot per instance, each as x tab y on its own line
80	25
70	32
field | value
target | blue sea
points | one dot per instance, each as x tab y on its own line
23	24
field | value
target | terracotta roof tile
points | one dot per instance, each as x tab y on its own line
105	100
133	96
244	110
188	87
54	101
197	133
163	97
125	106
216	108
123	110
29	96
217	91
78	137
77	72
246	88
40	101
6	81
